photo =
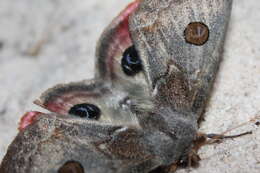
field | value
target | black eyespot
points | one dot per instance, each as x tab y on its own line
71	167
86	110
131	63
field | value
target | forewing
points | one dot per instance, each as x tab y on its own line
181	43
60	144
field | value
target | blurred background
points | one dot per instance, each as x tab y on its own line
46	42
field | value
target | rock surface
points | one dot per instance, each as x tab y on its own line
68	32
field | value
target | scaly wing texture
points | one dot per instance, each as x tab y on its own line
181	42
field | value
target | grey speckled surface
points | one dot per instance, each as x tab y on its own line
70	30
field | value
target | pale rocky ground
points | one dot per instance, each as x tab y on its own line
70	30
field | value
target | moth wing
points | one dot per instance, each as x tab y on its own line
58	144
112	102
181	44
112	90
112	44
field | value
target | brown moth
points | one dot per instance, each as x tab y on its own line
156	64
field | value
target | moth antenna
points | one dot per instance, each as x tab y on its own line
220	137
223	136
252	120
215	138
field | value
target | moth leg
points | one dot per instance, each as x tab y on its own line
201	140
190	160
193	158
172	168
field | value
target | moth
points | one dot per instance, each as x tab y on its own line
155	66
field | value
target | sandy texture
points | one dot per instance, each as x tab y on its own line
69	31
